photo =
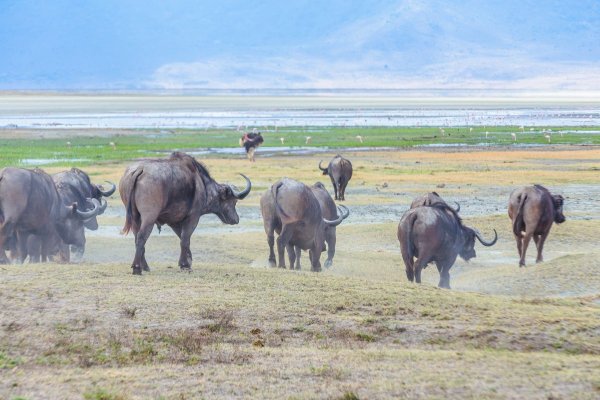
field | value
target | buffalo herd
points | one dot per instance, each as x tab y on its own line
43	217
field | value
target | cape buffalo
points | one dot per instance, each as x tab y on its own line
435	234
74	186
31	205
430	199
291	209
532	210
340	172
174	191
329	212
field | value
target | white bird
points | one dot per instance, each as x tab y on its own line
113	145
548	137
514	136
282	140
486	134
68	144
470	129
443	132
522	128
359	138
308	139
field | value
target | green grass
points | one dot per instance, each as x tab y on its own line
92	150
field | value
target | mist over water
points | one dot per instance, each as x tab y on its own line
269	110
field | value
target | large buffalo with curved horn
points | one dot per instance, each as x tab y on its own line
532	210
436	234
291	209
75	186
340	173
30	204
176	192
429	199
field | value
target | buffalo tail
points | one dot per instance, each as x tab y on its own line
280	211
519	222
129	215
406	244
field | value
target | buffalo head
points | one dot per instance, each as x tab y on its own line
558	201
468	249
325	170
223	205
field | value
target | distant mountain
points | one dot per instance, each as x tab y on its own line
112	44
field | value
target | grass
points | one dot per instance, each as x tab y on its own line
235	329
91	150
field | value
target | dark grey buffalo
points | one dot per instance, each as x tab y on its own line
292	209
329	212
31	205
429	199
176	192
435	234
340	172
532	210
75	186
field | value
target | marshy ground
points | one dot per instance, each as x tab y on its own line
235	328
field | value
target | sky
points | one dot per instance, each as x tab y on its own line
300	44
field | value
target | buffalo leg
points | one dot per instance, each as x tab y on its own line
271	242
141	237
335	187
315	255
298	254
282	242
5	234
292	255
330	238
417	267
342	191
525	244
444	276
540	246
519	246
185	259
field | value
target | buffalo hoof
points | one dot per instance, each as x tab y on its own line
328	263
272	264
187	269
146	268
136	270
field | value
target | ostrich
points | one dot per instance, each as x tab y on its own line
514	136
282	140
113	145
308	139
548	137
359	138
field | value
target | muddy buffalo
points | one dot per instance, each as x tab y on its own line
340	172
435	234
329	212
429	199
176	192
532	210
291	209
30	204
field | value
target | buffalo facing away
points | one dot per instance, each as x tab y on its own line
435	234
176	192
329	212
532	210
30	204
429	199
340	173
291	209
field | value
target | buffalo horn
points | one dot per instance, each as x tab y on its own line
243	193
90	213
485	243
321	168
103	205
343	211
457	209
108	192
